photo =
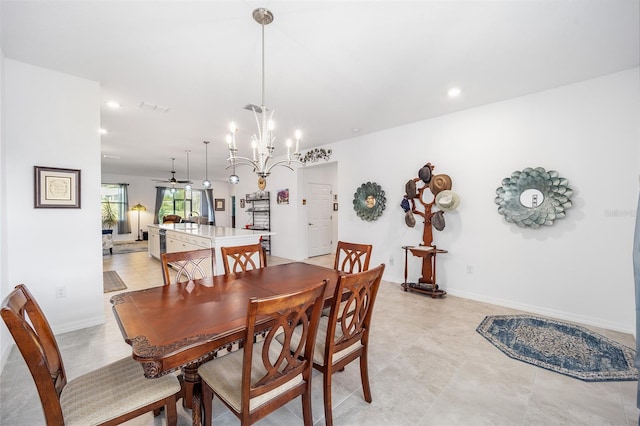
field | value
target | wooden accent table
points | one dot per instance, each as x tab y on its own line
183	325
427	282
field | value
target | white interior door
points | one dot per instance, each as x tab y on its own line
319	216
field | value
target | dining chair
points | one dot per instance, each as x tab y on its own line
243	258
188	265
352	257
172	218
109	395
343	336
266	375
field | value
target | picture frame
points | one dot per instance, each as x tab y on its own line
56	188
335	207
283	196
242	203
219	204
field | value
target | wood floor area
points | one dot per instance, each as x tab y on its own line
428	366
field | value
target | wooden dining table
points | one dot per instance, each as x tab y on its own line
182	325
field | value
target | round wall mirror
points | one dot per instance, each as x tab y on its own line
369	201
533	197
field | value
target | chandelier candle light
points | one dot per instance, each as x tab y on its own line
261	143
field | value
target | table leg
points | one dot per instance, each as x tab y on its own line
405	284
191	385
196	411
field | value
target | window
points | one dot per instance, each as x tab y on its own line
182	202
115	205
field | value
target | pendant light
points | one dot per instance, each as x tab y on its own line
262	142
234	178
188	186
206	182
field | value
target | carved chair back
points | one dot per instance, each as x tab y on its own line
272	374
188	265
243	258
35	340
347	330
352	257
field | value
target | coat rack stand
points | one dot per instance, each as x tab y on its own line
427	250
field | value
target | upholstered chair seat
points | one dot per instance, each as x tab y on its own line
112	391
107	396
226	373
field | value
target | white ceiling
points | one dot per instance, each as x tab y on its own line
331	66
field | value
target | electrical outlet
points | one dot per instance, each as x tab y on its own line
61	292
469	269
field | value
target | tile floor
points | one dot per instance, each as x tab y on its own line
428	366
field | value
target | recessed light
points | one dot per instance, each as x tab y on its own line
113	104
103	131
355	129
454	92
115	157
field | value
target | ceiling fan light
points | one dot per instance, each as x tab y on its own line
188	187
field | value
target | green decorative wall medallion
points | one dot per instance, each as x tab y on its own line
369	201
534	197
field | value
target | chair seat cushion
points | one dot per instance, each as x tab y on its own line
224	376
321	342
111	391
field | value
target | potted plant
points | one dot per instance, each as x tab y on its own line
109	217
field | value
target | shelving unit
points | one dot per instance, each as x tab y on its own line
260	209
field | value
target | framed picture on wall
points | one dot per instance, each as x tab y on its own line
219	204
242	203
56	188
283	196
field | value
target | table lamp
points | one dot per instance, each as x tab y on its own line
139	208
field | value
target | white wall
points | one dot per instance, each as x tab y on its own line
578	269
51	119
5	338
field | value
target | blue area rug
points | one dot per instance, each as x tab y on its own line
557	346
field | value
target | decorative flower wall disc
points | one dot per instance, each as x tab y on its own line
534	197
369	201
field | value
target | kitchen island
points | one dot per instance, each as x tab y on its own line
174	237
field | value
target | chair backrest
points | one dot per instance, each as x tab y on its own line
350	323
288	314
172	218
188	265
243	258
202	220
352	257
35	340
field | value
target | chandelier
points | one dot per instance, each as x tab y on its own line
262	142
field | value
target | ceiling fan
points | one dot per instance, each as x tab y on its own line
173	179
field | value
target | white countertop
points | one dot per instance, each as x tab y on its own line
208	231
